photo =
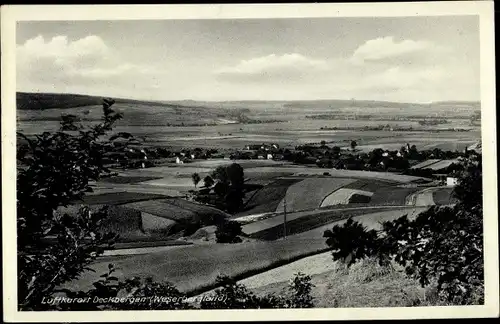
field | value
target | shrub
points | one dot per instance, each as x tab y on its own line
109	293
236	296
191	228
208	181
228	231
300	287
196	179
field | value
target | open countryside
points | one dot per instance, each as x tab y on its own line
295	162
317	179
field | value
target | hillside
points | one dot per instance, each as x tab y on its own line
42	101
48	106
27	100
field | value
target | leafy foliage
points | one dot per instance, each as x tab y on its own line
300	287
109	293
228	187
443	245
208	181
228	231
196	178
232	295
346	248
55	170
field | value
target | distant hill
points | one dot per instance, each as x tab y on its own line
49	107
40	101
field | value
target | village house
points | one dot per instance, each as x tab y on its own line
451	181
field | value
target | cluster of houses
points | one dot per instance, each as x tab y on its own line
134	155
259	151
436	163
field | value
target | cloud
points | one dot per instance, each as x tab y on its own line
286	67
404	77
378	69
61	63
386	48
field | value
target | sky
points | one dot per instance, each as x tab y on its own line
405	59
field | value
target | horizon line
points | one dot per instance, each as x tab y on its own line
247	100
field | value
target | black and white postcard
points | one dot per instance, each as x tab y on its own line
249	162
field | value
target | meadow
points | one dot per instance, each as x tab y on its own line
194	268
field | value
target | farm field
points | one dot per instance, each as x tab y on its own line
370	220
161	123
369	184
288	134
175	181
390	195
128	179
137	188
444	196
309	193
116	198
128	223
195	267
176	209
268	198
344	196
272	228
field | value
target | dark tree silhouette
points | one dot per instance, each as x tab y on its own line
353	145
196	179
208	181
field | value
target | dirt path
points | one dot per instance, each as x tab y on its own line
312	265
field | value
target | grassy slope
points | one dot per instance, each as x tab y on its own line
365	284
195	268
48	107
